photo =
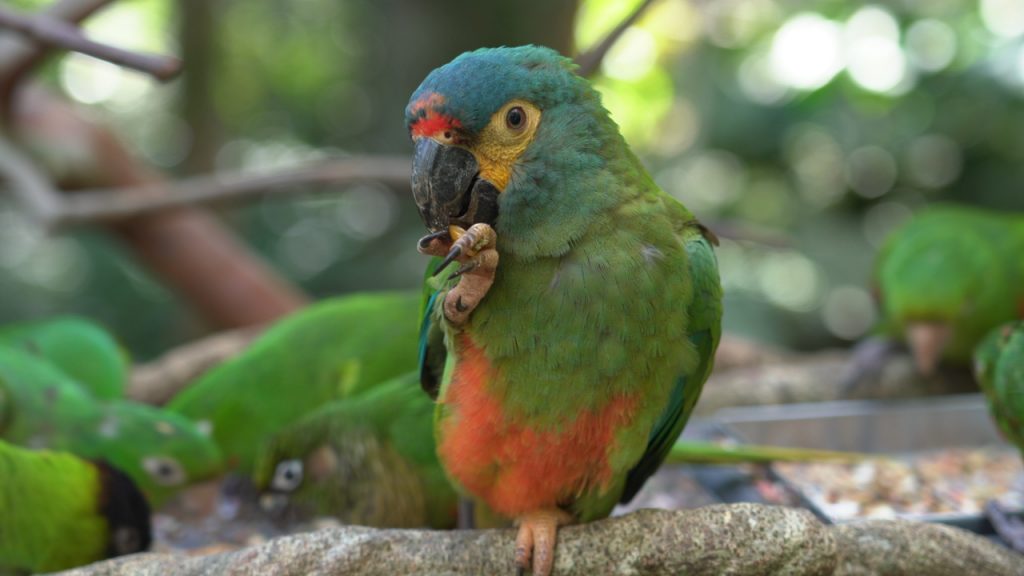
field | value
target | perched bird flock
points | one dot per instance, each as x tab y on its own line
567	323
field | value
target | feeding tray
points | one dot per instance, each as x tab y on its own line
940	458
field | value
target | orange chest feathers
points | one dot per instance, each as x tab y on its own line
512	466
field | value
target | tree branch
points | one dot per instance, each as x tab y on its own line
91	206
220	278
904	548
590	61
28	184
737	539
18	56
55	33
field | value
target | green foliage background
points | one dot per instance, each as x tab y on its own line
829	169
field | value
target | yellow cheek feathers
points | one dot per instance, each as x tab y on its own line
498	146
496	166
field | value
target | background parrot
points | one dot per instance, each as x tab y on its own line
999	368
41	407
369	459
81	349
587	307
58	511
948	277
327	351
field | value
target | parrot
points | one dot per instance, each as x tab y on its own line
80	348
947	277
162	451
567	349
999	370
369	459
43	408
58	511
327	351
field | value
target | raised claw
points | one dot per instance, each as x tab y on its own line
435	244
467	267
453	254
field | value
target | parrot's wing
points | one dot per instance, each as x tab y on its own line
5	408
432	352
80	348
705	314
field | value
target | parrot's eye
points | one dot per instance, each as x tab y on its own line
287	476
164	471
515	118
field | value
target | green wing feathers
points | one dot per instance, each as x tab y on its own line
78	347
704	316
326	352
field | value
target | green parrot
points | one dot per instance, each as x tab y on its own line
369	459
80	348
999	369
161	450
570	345
43	408
327	351
58	511
949	276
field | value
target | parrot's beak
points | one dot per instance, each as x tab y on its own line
928	340
448	189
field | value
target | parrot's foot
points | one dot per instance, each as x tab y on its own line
538	533
474	249
467	514
1009	528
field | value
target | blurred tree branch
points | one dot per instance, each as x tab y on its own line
93	206
220	277
112	205
31	187
19	56
199	35
589	61
56	33
186	248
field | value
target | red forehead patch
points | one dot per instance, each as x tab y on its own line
431	122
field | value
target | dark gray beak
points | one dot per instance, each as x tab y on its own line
447	187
